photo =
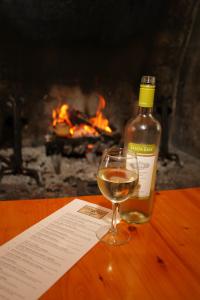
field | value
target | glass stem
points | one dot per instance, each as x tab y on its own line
115	210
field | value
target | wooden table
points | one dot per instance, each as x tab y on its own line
162	261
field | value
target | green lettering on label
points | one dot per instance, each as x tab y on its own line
142	148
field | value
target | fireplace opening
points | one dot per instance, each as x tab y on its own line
69	80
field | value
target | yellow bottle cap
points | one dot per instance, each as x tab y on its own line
147	91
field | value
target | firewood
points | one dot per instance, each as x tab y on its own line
78	117
61	129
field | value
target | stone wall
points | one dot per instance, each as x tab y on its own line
186	131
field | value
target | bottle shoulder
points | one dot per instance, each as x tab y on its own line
143	122
157	123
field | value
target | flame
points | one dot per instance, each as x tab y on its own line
100	121
61	115
82	130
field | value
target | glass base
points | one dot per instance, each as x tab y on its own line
122	236
135	217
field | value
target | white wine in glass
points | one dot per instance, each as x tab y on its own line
117	179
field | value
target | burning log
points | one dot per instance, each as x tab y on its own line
69	122
78	117
61	129
77	134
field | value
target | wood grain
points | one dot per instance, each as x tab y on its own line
162	261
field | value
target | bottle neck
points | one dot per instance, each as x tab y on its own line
146	95
145	110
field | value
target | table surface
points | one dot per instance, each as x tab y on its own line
162	261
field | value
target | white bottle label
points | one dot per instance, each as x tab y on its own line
146	165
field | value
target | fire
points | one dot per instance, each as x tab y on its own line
82	130
99	120
62	116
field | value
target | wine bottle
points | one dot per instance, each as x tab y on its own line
142	136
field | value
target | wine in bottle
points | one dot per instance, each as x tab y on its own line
142	136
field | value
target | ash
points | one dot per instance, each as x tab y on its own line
62	176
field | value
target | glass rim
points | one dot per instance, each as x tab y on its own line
119	153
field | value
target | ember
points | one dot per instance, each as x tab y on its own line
67	122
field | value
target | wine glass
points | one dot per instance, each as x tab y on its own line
117	178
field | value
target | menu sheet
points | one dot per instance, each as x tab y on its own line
34	260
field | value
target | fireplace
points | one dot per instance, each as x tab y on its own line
75	133
66	66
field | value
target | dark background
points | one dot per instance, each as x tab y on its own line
106	45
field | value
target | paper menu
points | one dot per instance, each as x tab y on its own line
34	260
